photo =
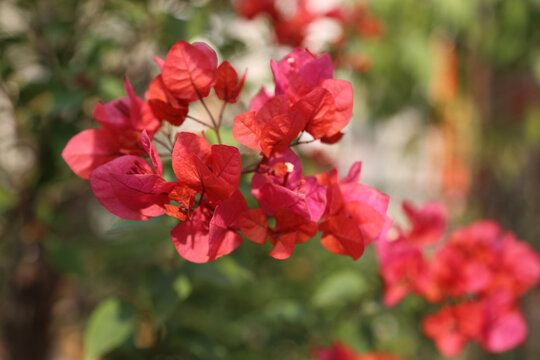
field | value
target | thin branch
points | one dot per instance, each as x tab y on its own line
198	121
168	133
208	111
304	142
251	170
216	126
220	119
163	143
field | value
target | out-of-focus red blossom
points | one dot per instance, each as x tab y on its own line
291	25
359	20
483	259
129	188
427	224
480	263
355	213
211	232
402	262
495	322
340	351
122	121
251	8
214	169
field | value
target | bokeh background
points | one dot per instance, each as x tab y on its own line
447	107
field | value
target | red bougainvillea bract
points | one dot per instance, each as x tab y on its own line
127	176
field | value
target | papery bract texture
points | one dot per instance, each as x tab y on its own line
290	230
123	120
199	165
271	129
303	196
189	71
89	149
212	230
163	103
129	188
355	214
227	86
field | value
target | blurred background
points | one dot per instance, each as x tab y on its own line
447	107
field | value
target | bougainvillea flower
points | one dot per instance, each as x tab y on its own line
127	117
164	105
189	71
428	223
325	103
494	322
271	129
254	225
306	99
504	326
404	270
377	356
520	266
481	258
251	8
355	213
259	100
90	149
300	71
216	169
279	183
453	326
211	232
403	267
460	271
481	263
290	229
129	188
227	86
327	108
340	351
292	30
122	120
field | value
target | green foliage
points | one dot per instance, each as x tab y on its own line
67	55
110	324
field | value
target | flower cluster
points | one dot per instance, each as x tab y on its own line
478	271
340	351
290	23
127	176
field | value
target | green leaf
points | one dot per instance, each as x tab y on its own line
340	288
182	286
110	324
